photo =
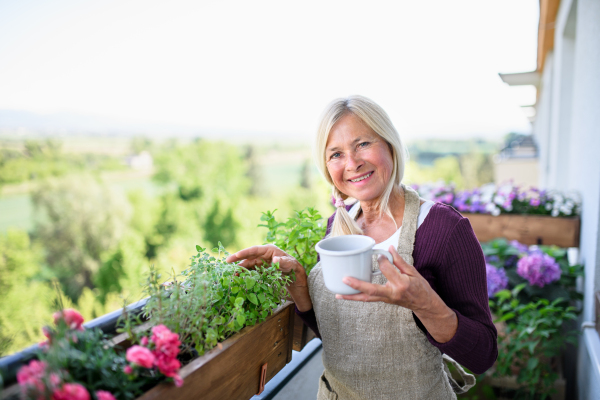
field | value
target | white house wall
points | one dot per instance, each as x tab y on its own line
541	126
568	132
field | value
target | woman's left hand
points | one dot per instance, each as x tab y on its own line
406	287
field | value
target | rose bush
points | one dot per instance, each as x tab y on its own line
79	364
159	352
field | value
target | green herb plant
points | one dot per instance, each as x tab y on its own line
213	299
531	340
298	236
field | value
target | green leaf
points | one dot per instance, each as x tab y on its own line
505	317
252	298
503	294
532	363
250	283
239	301
240	318
261	297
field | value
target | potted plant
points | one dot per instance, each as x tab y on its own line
214	317
531	216
297	237
532	291
530	342
545	271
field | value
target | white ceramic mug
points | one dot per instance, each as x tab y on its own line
348	255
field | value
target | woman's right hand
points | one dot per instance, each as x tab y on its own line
268	254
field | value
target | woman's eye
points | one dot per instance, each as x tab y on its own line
364	144
335	155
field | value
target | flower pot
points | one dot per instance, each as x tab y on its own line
527	229
238	367
235	370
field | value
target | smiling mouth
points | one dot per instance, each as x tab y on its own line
362	177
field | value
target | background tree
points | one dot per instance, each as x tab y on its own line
141	143
254	172
83	221
476	169
445	169
306	174
211	180
26	303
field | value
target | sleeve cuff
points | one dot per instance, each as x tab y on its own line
303	313
464	340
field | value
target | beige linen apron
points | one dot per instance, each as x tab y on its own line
375	350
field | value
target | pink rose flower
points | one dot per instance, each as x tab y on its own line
55	380
30	377
104	395
169	366
71	391
178	381
166	342
141	356
47	332
144	341
128	370
71	317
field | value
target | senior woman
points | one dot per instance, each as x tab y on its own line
390	340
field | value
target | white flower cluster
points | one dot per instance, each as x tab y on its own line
508	198
563	204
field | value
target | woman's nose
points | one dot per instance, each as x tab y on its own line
353	162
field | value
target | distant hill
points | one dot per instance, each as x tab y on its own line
427	151
25	123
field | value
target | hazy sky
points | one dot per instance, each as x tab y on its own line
271	66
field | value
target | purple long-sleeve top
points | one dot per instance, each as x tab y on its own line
448	255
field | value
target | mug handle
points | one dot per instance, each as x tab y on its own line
385	253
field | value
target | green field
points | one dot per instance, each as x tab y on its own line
283	173
16	211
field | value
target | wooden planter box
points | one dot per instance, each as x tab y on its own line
302	333
234	370
237	368
527	229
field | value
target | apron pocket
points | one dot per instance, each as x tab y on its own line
325	390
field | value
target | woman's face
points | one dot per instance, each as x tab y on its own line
359	161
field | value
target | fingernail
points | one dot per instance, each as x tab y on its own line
346	281
338	296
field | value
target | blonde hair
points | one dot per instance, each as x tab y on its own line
377	119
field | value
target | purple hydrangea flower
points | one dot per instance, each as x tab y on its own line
539	269
492	258
511	261
534	202
522	248
496	279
